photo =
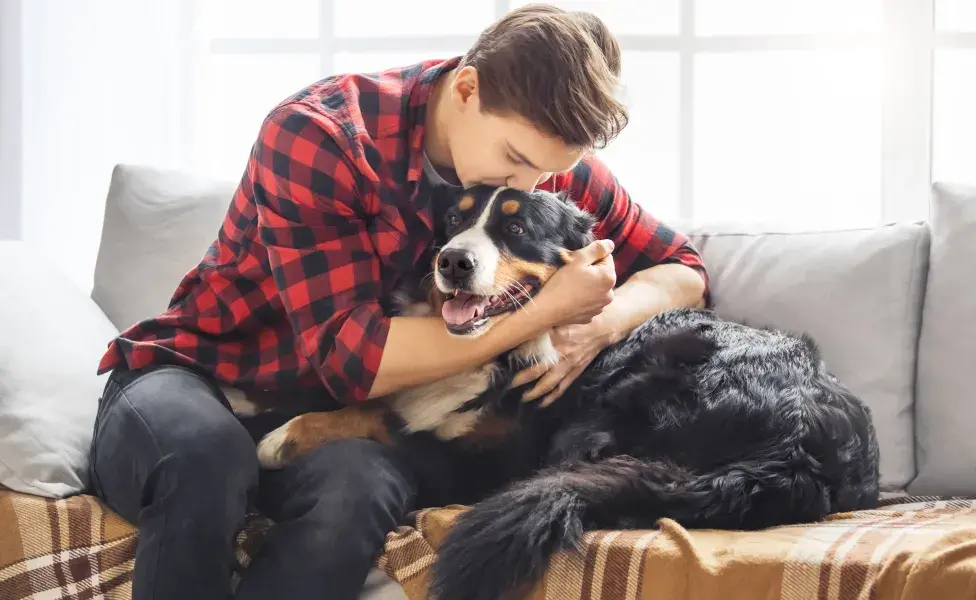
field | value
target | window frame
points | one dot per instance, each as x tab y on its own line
908	37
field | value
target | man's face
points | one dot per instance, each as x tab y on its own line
500	150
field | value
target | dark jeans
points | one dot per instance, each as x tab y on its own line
169	456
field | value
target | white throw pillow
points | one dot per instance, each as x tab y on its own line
52	336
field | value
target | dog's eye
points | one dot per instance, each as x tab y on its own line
453	220
516	228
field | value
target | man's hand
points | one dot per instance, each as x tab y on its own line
574	298
577	345
581	289
645	294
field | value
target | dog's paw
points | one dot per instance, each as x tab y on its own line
277	448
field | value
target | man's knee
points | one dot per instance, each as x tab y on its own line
365	483
365	468
168	430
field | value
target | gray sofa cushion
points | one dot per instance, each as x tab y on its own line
857	292
158	225
946	401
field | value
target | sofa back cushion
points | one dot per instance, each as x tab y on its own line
946	397
857	292
158	225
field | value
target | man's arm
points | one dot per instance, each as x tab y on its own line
311	220
647	293
643	244
657	267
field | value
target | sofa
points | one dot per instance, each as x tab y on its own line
890	307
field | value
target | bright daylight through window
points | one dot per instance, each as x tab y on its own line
818	113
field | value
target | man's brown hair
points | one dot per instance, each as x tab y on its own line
557	69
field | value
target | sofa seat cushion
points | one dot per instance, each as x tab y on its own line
858	292
77	548
910	548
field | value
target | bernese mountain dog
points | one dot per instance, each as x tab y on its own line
708	422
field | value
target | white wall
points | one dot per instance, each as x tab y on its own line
98	88
10	117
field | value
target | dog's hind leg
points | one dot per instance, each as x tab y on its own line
309	430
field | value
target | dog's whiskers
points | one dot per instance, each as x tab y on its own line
524	291
509	282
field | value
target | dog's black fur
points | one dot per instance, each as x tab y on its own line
708	422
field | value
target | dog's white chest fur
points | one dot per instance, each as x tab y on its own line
433	407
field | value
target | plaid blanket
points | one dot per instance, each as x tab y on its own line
911	549
77	548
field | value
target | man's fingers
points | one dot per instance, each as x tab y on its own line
530	374
545	385
562	387
595	252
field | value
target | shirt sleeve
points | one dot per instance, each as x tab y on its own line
324	265
640	240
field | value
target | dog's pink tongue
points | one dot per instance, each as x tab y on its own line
463	308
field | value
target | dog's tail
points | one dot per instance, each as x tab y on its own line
505	542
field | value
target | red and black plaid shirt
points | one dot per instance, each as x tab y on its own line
331	210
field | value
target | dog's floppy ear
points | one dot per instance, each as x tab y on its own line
579	227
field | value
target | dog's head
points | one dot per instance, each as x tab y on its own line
502	246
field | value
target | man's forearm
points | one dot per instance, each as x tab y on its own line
420	350
648	293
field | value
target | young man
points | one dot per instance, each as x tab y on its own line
334	207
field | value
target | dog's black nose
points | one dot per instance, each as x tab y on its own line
456	264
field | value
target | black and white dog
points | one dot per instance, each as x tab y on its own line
708	422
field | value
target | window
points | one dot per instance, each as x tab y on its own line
822	113
954	92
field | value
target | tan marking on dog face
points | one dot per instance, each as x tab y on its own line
466	202
511	269
510	207
477	241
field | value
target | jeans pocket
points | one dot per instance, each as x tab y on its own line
109	394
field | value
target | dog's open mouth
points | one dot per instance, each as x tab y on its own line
465	312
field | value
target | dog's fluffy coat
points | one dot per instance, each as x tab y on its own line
711	423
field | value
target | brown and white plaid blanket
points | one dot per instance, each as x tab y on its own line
909	549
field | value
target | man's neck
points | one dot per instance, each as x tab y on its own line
436	145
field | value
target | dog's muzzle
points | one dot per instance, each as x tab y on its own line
456	265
